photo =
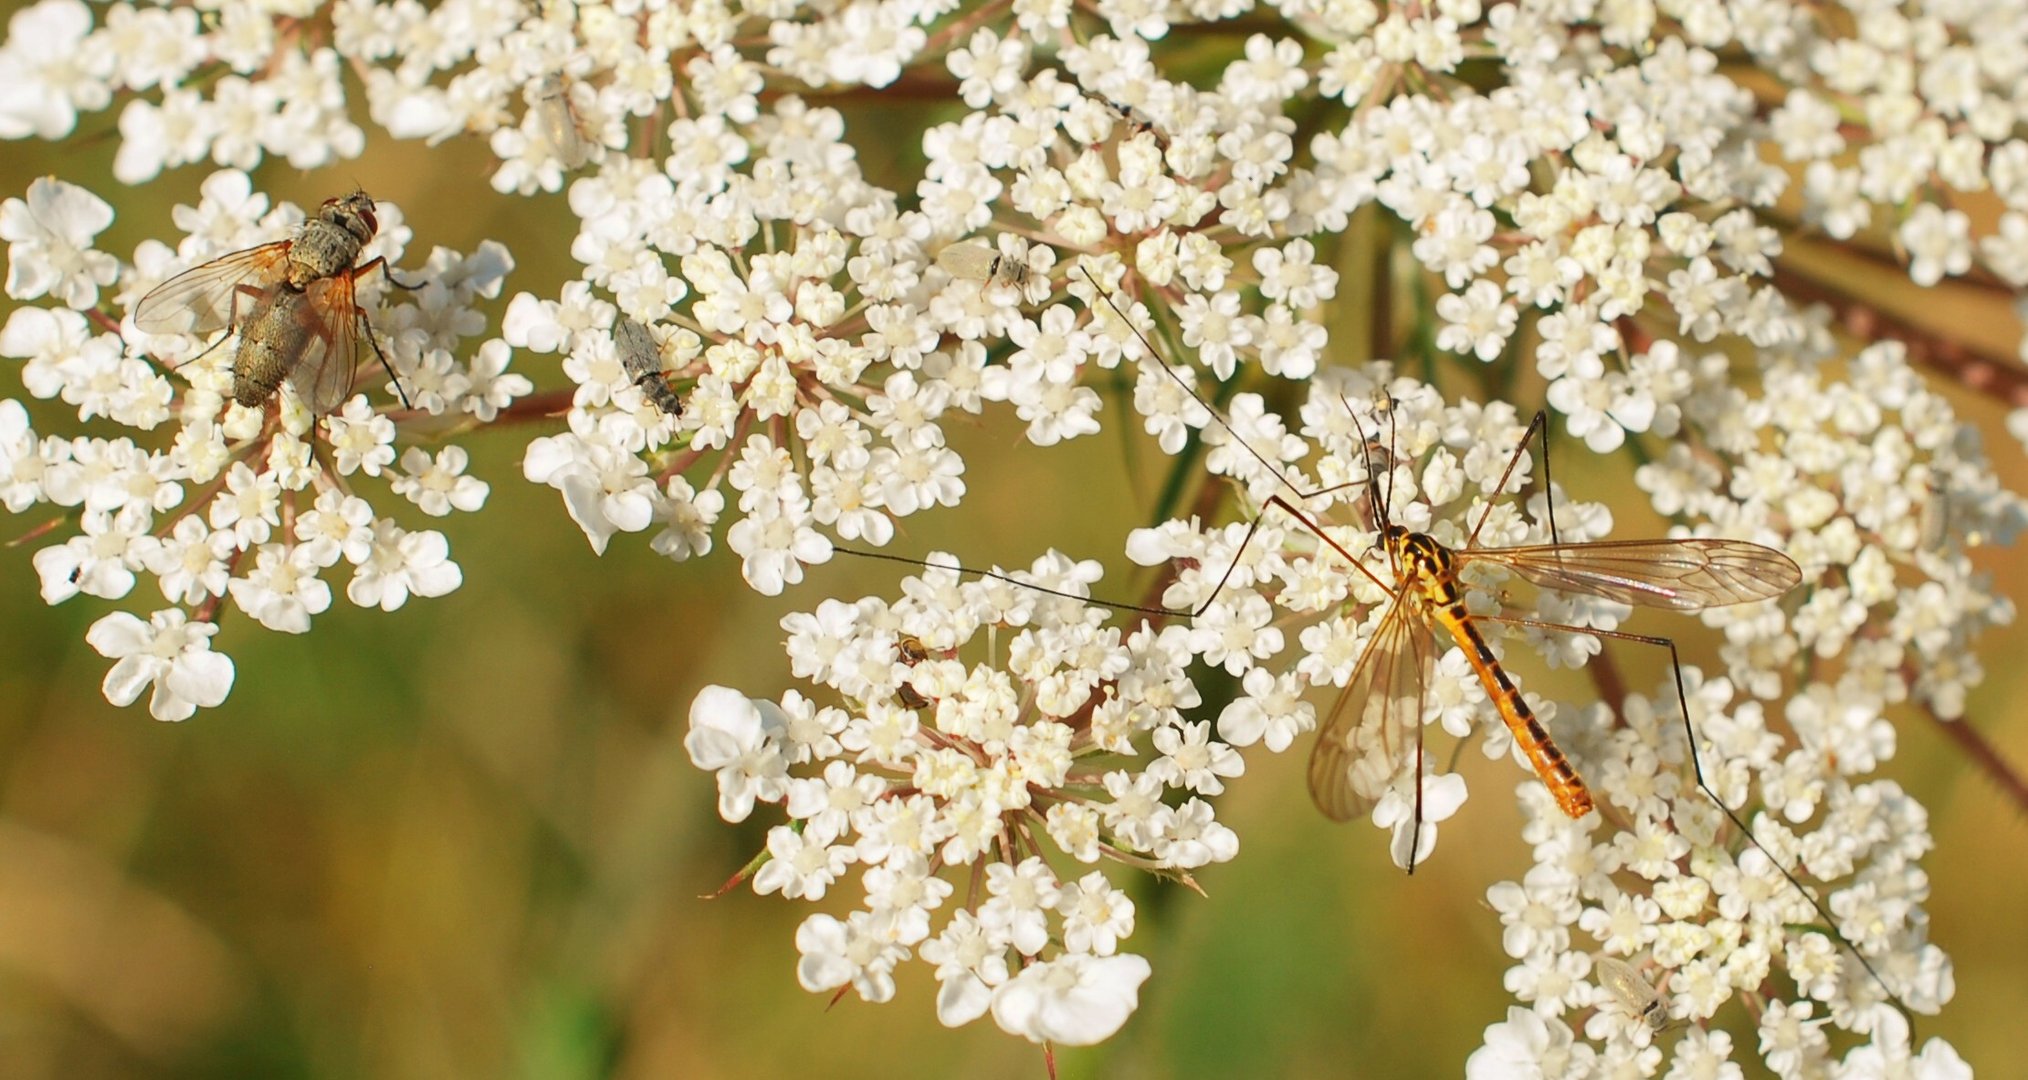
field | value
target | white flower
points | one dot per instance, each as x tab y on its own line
988	66
1192	760
362	440
1477	321
1021	898
1442	796
1790	1043
854	952
401	564
687	516
283	590
1889	1054
1537	914
101	562
1073	1000
971	960
775	542
168	653
22	465
1938	243
739	739
490	386
606	488
801	864
190	563
438	485
249	507
1528	1046
1187	837
1272	712
338	526
1095	915
42	83
49	244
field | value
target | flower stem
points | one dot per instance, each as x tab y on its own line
1987	757
1995	376
543	406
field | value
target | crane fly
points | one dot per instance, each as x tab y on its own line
291	302
1373	736
1371	742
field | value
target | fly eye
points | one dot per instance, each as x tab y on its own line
365	213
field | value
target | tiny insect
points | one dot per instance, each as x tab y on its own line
558	119
1633	992
982	262
291	302
910	651
1134	120
642	359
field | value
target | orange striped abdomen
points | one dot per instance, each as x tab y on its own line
1555	769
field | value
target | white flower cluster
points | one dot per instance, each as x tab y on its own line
1434	468
235	86
1879	492
233	504
818	334
941	772
1671	880
1708	916
1601	188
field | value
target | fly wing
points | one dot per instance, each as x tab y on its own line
1373	736
969	261
323	375
1676	575
1633	992
209	297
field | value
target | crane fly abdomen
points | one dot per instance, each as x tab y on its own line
1433	567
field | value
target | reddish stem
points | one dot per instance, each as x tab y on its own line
40	531
542	406
1609	684
1996	376
1987	757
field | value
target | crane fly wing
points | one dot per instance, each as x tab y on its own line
204	298
1374	733
323	374
1676	575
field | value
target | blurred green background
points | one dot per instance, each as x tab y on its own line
463	840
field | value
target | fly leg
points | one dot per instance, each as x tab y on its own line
366	327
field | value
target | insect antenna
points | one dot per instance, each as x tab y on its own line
1282	478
